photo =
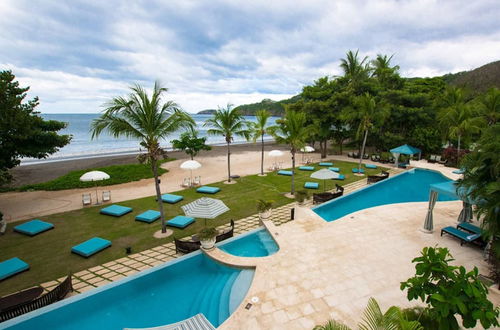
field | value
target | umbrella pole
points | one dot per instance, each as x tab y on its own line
192	183
96	195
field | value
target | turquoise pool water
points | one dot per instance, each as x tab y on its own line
410	186
162	295
257	243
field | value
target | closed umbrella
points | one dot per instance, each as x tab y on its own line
94	176
428	223
325	174
205	207
190	165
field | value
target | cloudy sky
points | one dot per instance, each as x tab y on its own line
75	55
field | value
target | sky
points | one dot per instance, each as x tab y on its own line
76	55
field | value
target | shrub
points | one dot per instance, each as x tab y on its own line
207	233
451	156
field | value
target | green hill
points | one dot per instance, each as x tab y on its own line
477	81
274	107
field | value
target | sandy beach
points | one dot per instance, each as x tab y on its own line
245	160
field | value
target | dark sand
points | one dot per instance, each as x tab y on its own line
37	173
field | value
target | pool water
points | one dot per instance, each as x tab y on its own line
257	243
410	186
162	295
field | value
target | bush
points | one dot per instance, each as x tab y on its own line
207	233
450	154
301	196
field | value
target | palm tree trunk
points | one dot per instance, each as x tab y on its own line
262	159
293	173
154	167
362	151
341	142
228	163
458	150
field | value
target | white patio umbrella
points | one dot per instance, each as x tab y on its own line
205	207
325	174
95	176
275	153
190	165
305	149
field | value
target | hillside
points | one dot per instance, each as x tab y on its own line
274	107
478	80
206	112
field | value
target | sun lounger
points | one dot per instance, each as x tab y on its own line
334	169
86	199
180	221
171	199
356	170
311	185
116	210
341	177
432	159
371	166
12	267
33	227
197	322
464	237
284	172
197	180
149	216
91	246
459	171
306	168
208	190
467	226
326	164
106	196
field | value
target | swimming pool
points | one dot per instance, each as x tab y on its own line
161	295
410	186
256	243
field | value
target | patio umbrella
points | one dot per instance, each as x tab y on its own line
306	149
94	176
325	174
275	153
190	165
205	207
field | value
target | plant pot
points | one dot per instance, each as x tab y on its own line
207	244
265	215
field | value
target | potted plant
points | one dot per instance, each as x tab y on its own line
265	208
301	196
207	237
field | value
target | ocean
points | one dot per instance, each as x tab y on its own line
82	146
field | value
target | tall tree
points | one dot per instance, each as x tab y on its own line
456	117
148	119
367	114
386	74
293	131
23	133
259	129
489	106
355	69
228	123
190	143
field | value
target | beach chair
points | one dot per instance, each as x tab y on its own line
186	182
106	196
197	181
463	236
467	226
86	199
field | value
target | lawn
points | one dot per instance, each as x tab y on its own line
49	253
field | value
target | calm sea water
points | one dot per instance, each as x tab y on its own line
82	146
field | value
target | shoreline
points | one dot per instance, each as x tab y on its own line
49	170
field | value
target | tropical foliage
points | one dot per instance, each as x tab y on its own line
190	143
258	130
148	119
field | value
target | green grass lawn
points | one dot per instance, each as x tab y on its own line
49	253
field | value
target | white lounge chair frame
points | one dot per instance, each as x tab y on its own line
86	199
106	196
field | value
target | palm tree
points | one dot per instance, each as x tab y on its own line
355	70
489	106
367	114
259	129
383	70
228	123
456	117
292	130
147	119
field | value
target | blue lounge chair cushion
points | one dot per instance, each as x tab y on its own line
90	247
208	190
148	216
460	171
341	177
284	172
334	169
355	170
33	227
180	221
116	210
326	164
11	267
170	198
469	227
462	235
306	168
311	185
372	166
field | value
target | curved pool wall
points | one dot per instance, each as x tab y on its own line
158	296
409	186
255	243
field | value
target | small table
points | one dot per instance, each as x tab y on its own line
20	298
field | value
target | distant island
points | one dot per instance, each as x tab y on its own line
206	112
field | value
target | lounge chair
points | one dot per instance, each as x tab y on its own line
441	161
432	159
365	156
91	247
208	190
341	177
467	226
284	172
355	170
306	168
171	199
226	233
371	166
86	199
197	322
350	154
334	169
11	267
326	196
376	178
116	210
33	227
180	221
186	182
464	237
326	164
197	180
311	185
149	216
19	298
106	196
